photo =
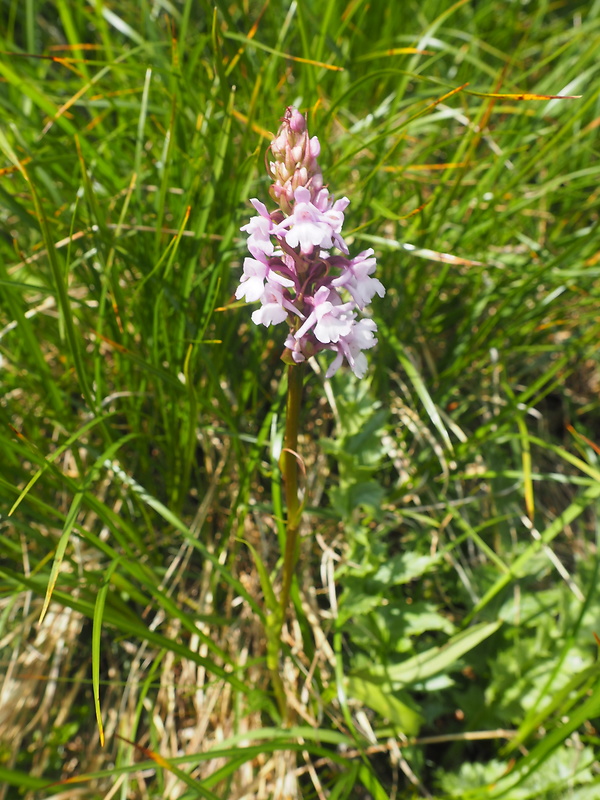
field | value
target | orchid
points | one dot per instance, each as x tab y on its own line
356	279
292	271
300	271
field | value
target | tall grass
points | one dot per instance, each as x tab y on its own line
442	639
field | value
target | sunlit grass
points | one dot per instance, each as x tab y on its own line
442	639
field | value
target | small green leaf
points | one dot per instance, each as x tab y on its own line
405	568
386	704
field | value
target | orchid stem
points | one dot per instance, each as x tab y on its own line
294	510
290	473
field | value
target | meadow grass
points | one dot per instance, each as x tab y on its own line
441	642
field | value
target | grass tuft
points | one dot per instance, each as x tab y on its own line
442	643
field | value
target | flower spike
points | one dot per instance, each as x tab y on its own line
292	271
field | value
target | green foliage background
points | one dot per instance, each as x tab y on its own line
446	605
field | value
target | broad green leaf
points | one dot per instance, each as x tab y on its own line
438	659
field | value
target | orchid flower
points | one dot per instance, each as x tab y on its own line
292	272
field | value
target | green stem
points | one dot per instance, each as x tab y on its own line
290	474
276	618
273	648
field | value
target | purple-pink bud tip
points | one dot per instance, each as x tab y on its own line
296	120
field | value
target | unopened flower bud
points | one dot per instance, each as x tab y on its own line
300	178
297	153
296	120
295	160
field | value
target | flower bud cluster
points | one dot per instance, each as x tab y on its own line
294	160
292	271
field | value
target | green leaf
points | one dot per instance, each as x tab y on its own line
96	635
387	705
404	568
433	661
60	551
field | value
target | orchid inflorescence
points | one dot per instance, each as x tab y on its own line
292	271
